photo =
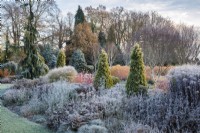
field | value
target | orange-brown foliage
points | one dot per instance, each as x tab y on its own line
120	71
5	73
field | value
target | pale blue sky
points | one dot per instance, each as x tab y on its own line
186	11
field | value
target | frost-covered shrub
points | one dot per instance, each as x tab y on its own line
61	93
92	129
48	98
14	96
84	109
133	127
5	80
67	73
22	91
185	84
162	111
33	107
110	100
28	83
94	126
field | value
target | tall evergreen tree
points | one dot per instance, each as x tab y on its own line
103	77
102	39
137	72
79	17
33	65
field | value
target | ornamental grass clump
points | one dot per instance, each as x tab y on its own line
67	73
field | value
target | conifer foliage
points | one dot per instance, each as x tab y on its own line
136	76
78	61
49	54
102	39
61	59
33	65
79	17
103	77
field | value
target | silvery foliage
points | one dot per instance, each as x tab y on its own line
74	106
88	106
94	126
14	96
54	95
177	110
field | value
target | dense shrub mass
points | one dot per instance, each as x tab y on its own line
185	84
61	59
137	72
94	126
177	110
103	77
67	73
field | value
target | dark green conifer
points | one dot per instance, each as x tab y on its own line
102	39
79	17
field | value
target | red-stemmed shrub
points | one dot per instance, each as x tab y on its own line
84	78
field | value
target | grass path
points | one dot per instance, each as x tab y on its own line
12	123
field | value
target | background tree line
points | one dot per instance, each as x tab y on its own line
163	42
